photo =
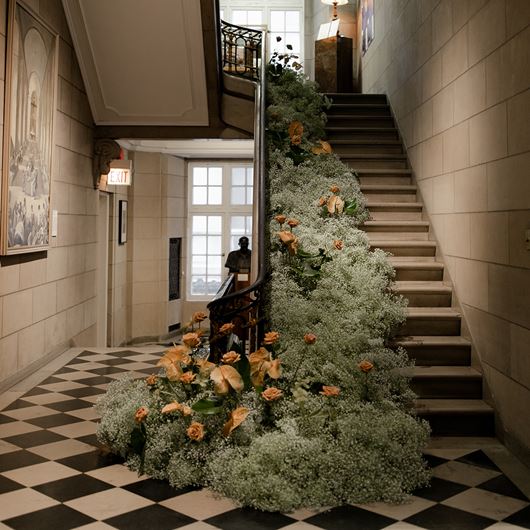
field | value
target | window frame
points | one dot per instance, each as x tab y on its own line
226	210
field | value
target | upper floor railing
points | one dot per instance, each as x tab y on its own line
241	50
244	55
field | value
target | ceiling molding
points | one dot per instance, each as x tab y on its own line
142	62
210	148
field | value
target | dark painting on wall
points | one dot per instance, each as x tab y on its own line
30	103
367	18
122	222
175	244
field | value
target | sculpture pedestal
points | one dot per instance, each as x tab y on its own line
334	64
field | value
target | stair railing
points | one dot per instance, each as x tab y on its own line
245	308
241	50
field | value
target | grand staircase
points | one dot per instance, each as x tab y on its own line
362	131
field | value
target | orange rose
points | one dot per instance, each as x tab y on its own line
195	431
334	189
199	316
171	407
191	339
280	218
187	378
231	357
322	201
296	129
141	414
185	410
365	366
272	394
289	240
338	244
227	328
151	380
322	149
293	222
310	338
329	391
271	337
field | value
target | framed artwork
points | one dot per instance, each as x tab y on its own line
367	18
30	103
122	222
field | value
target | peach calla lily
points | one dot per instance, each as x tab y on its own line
225	377
237	417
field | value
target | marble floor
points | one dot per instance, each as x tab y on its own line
54	476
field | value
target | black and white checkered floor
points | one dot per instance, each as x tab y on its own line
54	476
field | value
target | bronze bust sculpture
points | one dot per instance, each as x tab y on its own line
238	261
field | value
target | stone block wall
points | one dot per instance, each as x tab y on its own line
48	300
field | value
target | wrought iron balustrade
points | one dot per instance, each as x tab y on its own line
241	50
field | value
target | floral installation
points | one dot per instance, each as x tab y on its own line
319	415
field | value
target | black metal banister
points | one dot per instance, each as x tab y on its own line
245	307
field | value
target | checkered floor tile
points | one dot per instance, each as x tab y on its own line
54	475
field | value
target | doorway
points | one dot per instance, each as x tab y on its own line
102	269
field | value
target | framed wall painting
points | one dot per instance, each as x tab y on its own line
122	222
29	111
367	20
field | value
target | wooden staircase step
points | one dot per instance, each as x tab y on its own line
395	211
389	176
397	230
418	270
431	321
352	120
406	248
359	109
436	351
389	192
369	146
346	97
457	417
424	293
446	382
335	133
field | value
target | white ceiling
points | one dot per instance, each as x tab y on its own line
142	61
206	148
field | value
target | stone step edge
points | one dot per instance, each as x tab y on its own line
452	406
394	205
412	188
395	223
432	341
373	156
446	372
424	287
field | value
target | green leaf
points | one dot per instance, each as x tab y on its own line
138	439
208	406
350	207
243	367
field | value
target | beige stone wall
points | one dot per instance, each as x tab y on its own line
157	211
458	76
48	301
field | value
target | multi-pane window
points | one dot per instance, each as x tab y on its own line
283	18
241	189
240	225
206	254
220	212
246	17
286	26
207	185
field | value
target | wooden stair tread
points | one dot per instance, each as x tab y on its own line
447	372
394	205
377	171
361	129
365	141
373	156
393	223
444	406
402	243
389	187
413	265
432	340
421	286
432	312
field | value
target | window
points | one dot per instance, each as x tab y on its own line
207	185
241	190
206	254
286	25
240	225
219	213
283	18
247	18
